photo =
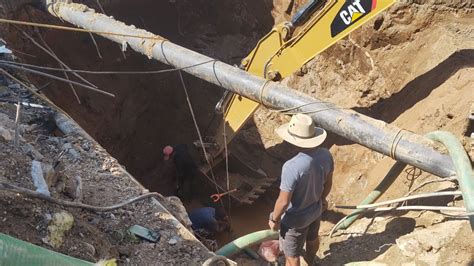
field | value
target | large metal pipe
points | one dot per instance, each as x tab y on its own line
377	135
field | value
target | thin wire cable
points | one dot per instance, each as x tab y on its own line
106	72
448	179
197	127
95	45
403	199
462	212
421	208
411	175
49	51
60	79
72	88
62	65
61	62
227	171
214	181
33	91
316	111
100	7
299	106
13	78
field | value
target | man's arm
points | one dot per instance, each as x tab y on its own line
281	204
326	190
288	182
327	186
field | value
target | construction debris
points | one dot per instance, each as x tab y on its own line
59	225
145	233
38	179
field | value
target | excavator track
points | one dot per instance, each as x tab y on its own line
250	186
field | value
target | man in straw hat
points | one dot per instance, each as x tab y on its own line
306	180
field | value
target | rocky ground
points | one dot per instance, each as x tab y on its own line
77	169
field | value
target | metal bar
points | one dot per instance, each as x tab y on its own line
371	133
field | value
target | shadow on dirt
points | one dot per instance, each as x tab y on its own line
413	92
419	88
368	246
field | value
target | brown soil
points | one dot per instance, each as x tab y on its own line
94	235
412	66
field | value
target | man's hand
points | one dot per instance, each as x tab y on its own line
280	207
273	226
325	205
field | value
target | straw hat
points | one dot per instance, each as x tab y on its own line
301	132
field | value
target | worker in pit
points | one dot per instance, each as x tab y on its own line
210	220
306	180
186	168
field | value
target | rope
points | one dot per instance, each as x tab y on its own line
51	26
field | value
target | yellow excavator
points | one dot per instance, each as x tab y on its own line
283	51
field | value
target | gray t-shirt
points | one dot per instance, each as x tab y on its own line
305	175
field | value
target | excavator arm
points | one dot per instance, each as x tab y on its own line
287	47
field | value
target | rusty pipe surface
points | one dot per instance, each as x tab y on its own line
374	134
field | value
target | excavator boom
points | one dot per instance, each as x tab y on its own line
289	45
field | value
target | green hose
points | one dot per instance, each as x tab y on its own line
16	252
464	175
463	167
251	239
386	182
463	170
